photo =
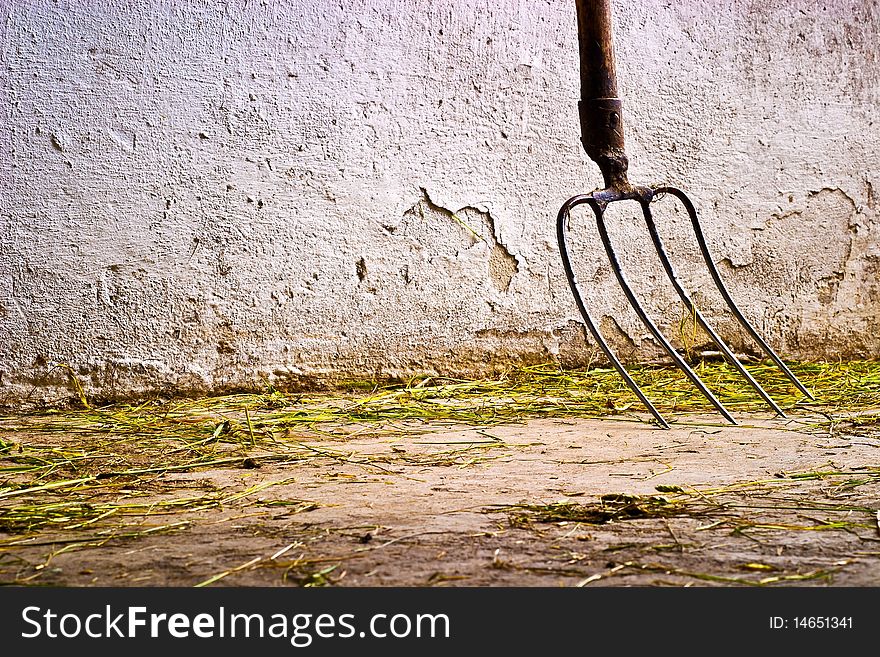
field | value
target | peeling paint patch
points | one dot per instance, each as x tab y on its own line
502	267
615	335
480	226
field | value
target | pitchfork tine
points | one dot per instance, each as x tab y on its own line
634	302
713	270
561	228
670	273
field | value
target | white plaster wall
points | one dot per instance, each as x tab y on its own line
208	195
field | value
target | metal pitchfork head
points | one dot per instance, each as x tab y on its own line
602	137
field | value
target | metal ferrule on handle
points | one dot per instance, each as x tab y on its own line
600	109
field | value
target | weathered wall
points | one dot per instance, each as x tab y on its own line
211	194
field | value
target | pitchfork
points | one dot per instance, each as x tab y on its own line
602	137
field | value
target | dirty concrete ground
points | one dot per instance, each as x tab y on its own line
548	502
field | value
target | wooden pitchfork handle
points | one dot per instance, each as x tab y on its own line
600	108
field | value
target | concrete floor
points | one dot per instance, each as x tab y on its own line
769	502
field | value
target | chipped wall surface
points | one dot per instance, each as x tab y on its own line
208	195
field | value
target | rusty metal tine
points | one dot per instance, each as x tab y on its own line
561	228
716	276
621	279
670	273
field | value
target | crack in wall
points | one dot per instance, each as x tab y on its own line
503	265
